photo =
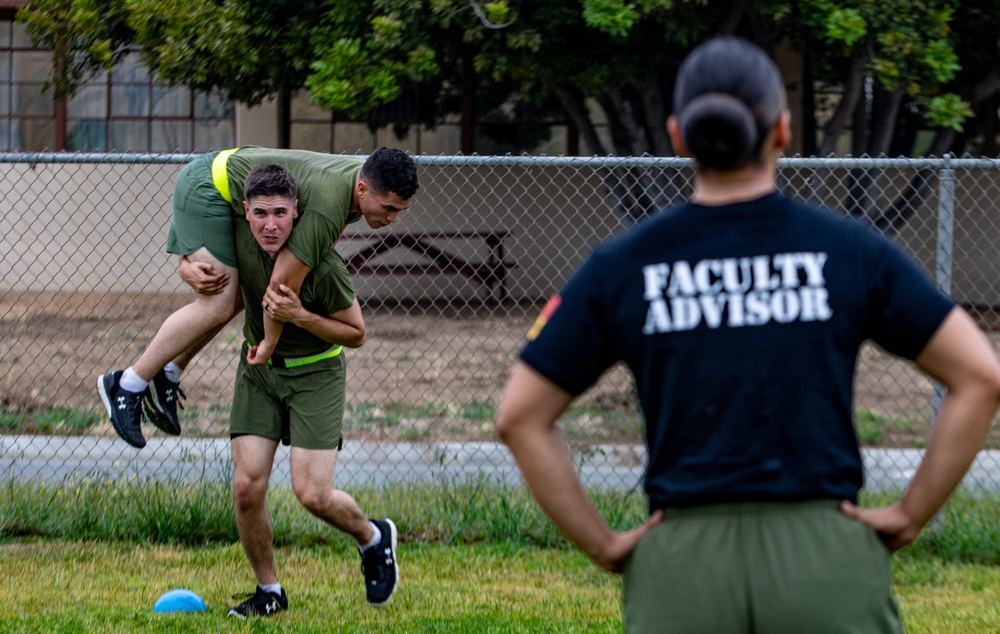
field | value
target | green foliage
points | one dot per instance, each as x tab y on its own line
948	111
354	57
613	17
846	26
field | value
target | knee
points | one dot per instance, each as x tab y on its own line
220	308
312	497
248	492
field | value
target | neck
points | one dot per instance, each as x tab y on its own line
723	188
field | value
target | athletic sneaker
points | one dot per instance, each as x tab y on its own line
379	565
162	399
124	408
260	603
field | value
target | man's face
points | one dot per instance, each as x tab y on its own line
271	220
380	210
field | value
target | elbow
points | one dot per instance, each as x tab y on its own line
503	426
357	340
993	387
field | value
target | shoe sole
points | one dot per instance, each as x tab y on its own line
104	396
395	562
160	418
106	399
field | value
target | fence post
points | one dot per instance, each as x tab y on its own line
945	247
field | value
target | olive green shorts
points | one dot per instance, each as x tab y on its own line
201	216
767	568
301	406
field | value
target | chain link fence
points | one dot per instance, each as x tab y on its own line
448	295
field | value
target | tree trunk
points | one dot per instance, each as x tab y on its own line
572	103
854	85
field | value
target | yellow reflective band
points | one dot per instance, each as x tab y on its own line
220	176
329	354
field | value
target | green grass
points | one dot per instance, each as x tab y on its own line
97	587
93	555
103	587
64	421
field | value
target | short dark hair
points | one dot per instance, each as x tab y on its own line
727	97
270	180
391	170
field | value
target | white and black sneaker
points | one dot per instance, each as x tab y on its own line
162	400
124	408
380	566
260	603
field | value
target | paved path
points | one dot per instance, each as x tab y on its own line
58	459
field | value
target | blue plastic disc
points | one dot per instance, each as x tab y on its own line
179	600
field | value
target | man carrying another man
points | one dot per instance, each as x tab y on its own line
297	397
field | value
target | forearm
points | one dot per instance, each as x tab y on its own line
548	472
957	436
288	270
331	330
961	357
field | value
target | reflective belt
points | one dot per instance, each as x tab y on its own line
284	362
220	176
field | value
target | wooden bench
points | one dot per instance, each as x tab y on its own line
490	273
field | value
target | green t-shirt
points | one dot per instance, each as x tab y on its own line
326	185
327	289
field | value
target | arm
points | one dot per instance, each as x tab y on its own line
290	271
526	422
960	357
346	327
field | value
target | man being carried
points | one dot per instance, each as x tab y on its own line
297	397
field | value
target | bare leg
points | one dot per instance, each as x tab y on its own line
312	481
253	457
183	359
188	326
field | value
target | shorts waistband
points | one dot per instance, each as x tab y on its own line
749	508
220	173
278	361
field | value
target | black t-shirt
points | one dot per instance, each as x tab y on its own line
741	324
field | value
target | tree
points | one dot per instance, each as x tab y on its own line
894	65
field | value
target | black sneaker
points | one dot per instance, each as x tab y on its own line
260	603
162	399
124	408
379	565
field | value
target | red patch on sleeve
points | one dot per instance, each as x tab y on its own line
544	317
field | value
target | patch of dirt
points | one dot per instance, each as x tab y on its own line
426	372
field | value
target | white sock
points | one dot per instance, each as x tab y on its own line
132	382
375	540
173	372
274	588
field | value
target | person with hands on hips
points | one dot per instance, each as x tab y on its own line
741	314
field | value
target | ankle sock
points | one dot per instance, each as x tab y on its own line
173	372
132	382
375	540
274	588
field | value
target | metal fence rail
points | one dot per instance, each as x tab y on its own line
448	295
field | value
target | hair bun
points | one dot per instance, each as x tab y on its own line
719	130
